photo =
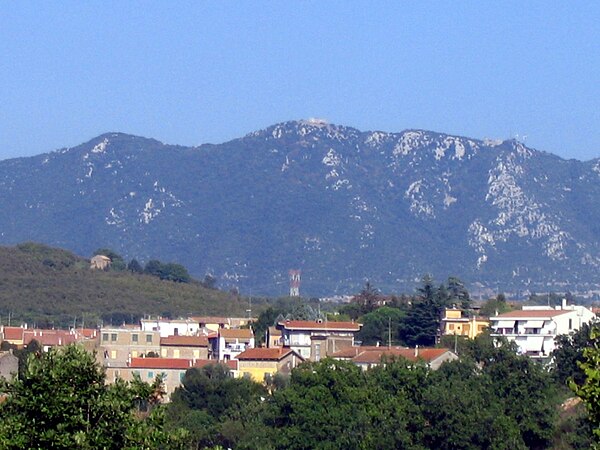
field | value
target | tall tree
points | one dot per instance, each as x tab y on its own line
63	402
458	293
589	392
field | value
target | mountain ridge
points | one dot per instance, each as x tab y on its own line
343	205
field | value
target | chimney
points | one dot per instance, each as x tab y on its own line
416	350
564	303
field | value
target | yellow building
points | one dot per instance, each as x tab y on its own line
453	323
261	363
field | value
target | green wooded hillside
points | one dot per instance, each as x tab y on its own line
51	286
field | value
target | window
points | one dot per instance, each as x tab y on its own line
134	338
176	331
105	337
570	324
317	352
151	374
113	337
113	354
149	338
181	375
176	353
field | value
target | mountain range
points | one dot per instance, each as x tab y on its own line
341	205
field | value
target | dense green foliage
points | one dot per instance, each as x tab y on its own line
211	406
53	287
569	355
381	326
61	401
492	399
167	271
589	391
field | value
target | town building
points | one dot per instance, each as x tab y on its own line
456	323
317	339
193	347
263	363
534	328
100	262
231	342
119	345
171	327
370	356
171	369
273	338
9	365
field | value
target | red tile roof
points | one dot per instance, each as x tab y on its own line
314	325
13	333
184	341
374	356
160	363
88	332
239	333
50	338
533	313
264	354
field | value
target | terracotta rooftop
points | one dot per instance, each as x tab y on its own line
424	354
13	333
238	333
533	313
49	337
185	341
314	325
264	354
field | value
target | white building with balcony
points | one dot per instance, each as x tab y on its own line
535	328
317	339
232	342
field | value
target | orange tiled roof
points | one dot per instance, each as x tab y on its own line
160	363
49	337
374	356
88	332
314	325
534	313
236	333
264	354
13	333
185	341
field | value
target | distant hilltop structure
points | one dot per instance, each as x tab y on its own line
100	262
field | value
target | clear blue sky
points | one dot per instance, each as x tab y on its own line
190	72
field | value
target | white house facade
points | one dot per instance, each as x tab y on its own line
534	328
171	327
